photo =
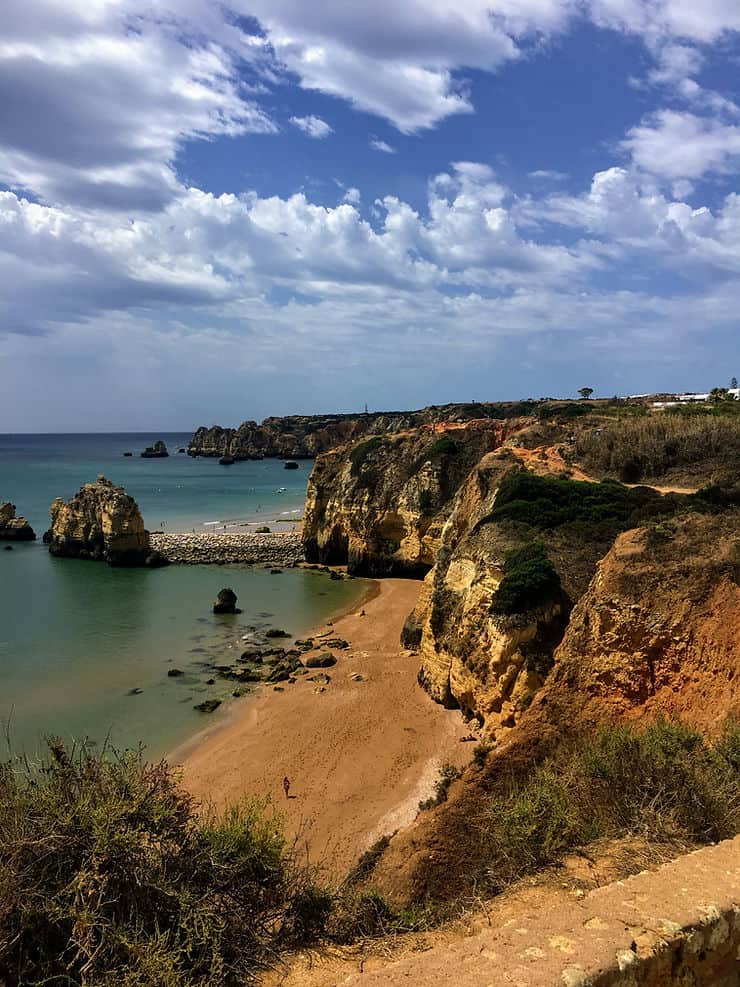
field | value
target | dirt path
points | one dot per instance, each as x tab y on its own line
359	755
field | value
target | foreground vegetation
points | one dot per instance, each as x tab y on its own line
110	876
665	783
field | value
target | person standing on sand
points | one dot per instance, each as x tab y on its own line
286	786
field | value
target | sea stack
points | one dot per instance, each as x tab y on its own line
226	602
14	528
157	451
101	523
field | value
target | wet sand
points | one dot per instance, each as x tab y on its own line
359	755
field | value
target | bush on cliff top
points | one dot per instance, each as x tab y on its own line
665	782
109	875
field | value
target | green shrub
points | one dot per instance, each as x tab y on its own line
439	449
368	861
480	754
264	530
664	782
427	501
361	451
111	874
447	774
530	581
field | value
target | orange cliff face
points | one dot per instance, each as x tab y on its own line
656	634
378	505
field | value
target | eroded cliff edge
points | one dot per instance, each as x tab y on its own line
555	602
379	505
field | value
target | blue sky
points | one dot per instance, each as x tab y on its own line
212	212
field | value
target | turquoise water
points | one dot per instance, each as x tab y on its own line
179	493
76	637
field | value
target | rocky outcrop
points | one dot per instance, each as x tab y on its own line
307	436
379	505
101	523
226	602
657	632
14	528
157	451
491	659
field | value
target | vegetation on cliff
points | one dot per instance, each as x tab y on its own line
530	581
665	783
111	874
682	446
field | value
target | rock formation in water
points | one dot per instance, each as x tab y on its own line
226	602
157	451
102	523
14	528
379	505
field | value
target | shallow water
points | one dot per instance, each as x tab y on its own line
76	637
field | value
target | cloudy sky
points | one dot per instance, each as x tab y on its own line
217	211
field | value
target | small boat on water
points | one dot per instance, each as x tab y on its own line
290	465
281	490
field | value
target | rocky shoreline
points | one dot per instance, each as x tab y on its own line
232	547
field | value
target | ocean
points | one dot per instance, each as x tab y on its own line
85	649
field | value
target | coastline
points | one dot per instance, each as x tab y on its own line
360	752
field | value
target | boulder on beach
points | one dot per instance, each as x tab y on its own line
14	528
101	523
208	705
226	602
320	661
157	451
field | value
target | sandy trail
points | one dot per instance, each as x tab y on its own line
359	755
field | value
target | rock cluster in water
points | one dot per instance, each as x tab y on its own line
14	528
157	451
101	523
230	547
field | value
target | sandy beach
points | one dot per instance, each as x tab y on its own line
359	754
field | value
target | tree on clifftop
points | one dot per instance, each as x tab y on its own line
585	392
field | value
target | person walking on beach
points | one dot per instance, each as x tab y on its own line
286	786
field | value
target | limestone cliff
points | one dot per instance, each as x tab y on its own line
655	634
492	663
658	631
306	436
14	528
102	523
379	505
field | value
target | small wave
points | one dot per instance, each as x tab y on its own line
205	523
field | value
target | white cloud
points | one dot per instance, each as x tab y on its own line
113	102
549	175
312	126
352	196
674	145
378	145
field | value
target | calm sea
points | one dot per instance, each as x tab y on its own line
76	637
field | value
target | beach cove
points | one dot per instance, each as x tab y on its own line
85	649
